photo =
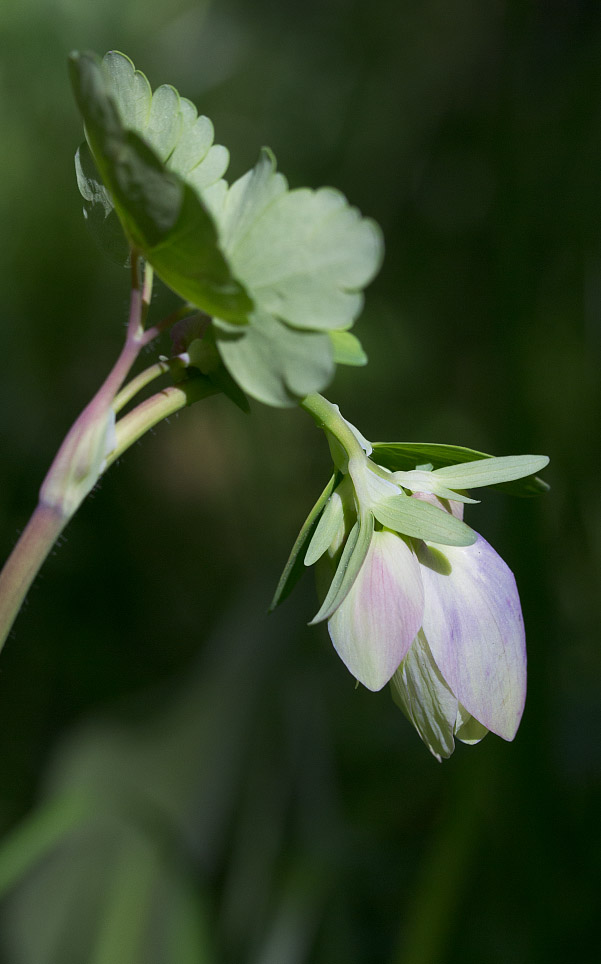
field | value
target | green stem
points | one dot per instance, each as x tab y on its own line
140	381
80	459
153	410
327	416
22	566
47	523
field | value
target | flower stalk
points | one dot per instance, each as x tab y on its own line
95	441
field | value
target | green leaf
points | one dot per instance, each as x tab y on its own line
294	567
404	456
162	215
420	520
272	362
168	123
304	255
351	560
298	258
347	349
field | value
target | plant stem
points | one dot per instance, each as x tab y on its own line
22	566
153	410
81	458
151	333
327	416
149	374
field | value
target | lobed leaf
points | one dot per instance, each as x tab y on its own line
288	266
162	215
272	362
168	123
304	255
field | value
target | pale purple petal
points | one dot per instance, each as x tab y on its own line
377	622
473	622
421	692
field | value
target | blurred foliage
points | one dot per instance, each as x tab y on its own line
184	771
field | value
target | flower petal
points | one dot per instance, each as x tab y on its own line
467	728
374	627
473	622
421	692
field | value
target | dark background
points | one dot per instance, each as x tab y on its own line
242	801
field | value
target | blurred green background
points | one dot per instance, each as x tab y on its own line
183	778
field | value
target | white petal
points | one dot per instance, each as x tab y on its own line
425	699
375	625
473	621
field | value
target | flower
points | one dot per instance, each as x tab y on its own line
412	595
444	625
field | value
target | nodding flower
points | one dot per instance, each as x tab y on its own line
414	597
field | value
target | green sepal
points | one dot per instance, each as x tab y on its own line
493	471
351	560
294	567
421	520
332	518
404	456
348	350
162	215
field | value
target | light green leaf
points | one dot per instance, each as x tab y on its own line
299	258
491	471
351	560
294	567
304	255
163	216
347	349
420	520
328	527
401	456
275	363
129	88
168	123
245	201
